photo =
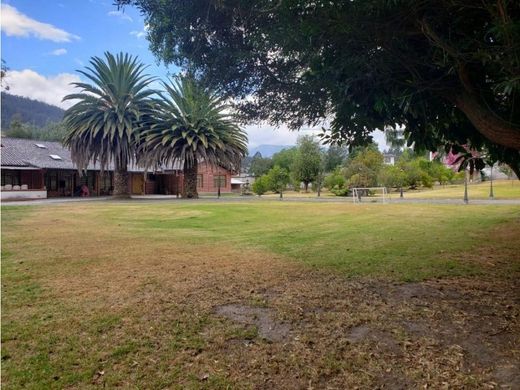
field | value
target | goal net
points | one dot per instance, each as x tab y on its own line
369	194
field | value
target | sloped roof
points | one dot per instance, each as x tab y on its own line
17	152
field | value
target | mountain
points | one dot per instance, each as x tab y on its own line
268	150
28	111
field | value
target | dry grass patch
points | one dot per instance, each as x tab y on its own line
110	304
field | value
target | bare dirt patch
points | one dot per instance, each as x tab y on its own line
263	318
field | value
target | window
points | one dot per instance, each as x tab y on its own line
106	183
200	181
219	181
10	177
54	156
41	146
91	180
51	181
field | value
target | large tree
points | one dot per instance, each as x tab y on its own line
192	125
102	125
447	70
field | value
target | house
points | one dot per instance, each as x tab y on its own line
34	169
389	158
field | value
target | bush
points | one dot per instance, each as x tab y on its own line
261	185
334	179
391	176
343	191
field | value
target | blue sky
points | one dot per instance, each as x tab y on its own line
44	42
91	26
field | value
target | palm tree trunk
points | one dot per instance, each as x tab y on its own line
189	190
121	183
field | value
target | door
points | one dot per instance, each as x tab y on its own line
137	184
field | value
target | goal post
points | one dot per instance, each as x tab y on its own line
369	194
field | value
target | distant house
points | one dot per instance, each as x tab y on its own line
40	169
389	158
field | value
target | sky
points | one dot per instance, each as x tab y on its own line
44	43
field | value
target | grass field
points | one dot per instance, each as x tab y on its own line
259	295
502	189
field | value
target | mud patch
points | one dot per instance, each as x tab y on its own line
380	339
263	318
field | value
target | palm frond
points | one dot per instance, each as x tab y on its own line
103	126
192	125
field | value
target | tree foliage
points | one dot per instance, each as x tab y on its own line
285	158
362	167
260	165
191	125
335	180
261	185
445	70
28	111
278	179
307	162
102	124
334	157
52	131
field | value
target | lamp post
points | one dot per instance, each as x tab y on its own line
491	194
466	200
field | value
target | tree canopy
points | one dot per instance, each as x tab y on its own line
102	124
189	126
446	70
307	161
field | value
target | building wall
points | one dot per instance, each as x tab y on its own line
209	174
66	182
23	195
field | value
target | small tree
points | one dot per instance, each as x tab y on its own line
278	179
363	166
441	173
261	185
391	176
307	162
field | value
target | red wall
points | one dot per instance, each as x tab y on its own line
34	179
208	173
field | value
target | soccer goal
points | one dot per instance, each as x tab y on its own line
369	194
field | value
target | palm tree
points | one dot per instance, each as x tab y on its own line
192	125
102	125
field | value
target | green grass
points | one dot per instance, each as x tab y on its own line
502	189
86	287
404	242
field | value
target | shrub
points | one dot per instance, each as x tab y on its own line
261	185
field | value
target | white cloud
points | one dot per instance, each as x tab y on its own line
58	52
140	34
50	89
270	135
121	15
14	23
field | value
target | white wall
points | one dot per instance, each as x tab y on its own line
17	195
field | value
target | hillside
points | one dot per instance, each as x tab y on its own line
28	111
268	150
